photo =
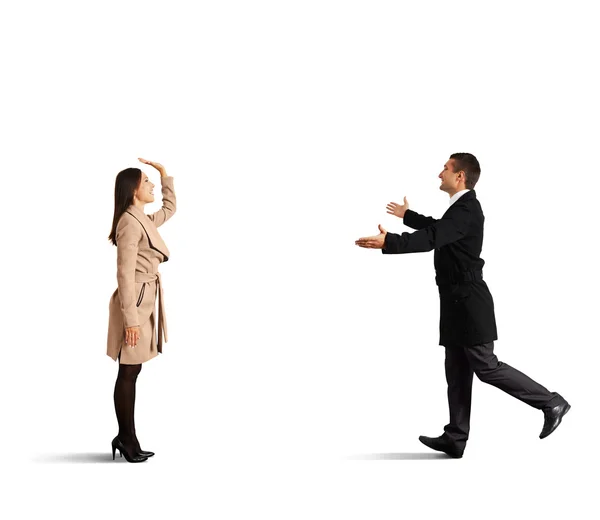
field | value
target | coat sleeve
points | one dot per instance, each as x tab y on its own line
414	220
169	202
444	231
129	234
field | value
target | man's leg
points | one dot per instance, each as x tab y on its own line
459	376
496	373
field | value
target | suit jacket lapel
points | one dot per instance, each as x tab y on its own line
155	240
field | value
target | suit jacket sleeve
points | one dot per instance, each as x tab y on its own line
169	202
448	229
413	220
129	234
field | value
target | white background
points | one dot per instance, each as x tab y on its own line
300	370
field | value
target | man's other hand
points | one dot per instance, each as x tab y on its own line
393	208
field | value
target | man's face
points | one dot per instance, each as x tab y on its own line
450	179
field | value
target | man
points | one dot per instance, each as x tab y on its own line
467	320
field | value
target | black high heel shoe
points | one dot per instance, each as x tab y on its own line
139	450
117	444
146	454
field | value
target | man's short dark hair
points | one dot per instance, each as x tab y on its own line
470	165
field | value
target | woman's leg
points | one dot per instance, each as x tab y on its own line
124	397
136	443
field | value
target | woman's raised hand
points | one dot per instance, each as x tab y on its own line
161	169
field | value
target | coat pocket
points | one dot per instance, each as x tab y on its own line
460	292
141	297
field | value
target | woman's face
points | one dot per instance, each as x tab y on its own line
145	191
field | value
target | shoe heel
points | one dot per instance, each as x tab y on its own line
113	450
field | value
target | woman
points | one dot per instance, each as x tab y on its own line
132	310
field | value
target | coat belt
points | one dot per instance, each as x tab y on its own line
464	276
141	277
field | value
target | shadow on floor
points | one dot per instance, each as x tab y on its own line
400	456
78	458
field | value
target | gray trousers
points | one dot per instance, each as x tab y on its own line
462	362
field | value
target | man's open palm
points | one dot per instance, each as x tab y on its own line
374	242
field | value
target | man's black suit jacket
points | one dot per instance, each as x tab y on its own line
466	307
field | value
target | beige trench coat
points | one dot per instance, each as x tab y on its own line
140	250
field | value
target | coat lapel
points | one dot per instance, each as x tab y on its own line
467	196
155	240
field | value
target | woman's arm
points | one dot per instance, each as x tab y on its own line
129	234
169	202
168	194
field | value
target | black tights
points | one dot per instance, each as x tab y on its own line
125	404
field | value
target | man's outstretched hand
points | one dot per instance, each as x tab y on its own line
374	242
393	208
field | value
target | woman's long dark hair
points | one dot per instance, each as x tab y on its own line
126	183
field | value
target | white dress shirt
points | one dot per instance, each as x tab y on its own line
457	196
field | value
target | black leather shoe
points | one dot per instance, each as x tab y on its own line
442	444
553	417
